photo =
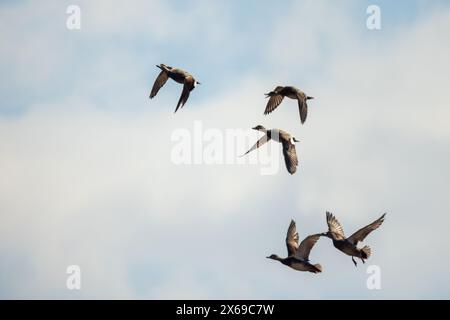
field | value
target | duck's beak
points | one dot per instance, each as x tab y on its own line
309	98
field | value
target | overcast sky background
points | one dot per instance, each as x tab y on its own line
86	175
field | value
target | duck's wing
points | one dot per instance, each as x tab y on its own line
159	83
362	233
335	227
292	239
258	144
290	157
305	246
273	103
187	88
302	107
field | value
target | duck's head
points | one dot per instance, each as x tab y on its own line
196	83
274	257
259	128
294	139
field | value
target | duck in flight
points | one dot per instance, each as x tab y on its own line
286	139
349	245
178	75
277	95
298	255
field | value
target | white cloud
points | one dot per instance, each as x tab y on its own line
85	182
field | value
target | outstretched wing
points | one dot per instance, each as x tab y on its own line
159	82
290	157
362	233
305	247
335	227
258	144
273	103
292	239
187	88
303	109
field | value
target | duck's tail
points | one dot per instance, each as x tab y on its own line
365	252
317	268
163	67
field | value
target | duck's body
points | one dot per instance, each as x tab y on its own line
349	245
277	95
300	265
298	255
283	137
291	92
177	75
350	249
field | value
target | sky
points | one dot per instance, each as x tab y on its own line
87	177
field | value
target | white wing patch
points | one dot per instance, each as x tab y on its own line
292	141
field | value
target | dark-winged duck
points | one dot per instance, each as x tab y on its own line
278	94
178	75
349	245
286	139
298	255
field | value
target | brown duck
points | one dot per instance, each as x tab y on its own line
286	139
349	245
278	94
178	75
298	255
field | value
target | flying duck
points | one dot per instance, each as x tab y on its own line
288	142
298	255
349	245
278	94
178	75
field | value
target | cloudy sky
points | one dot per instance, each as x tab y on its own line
87	177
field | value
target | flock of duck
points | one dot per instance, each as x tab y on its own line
298	254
